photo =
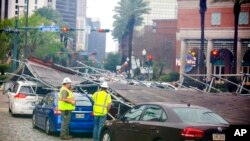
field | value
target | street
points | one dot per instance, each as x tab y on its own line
20	129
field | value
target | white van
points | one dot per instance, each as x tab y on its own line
22	97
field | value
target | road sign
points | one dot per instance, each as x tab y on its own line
49	28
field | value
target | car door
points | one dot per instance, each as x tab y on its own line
38	112
126	129
48	106
43	110
151	123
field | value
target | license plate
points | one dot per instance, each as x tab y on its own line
80	115
219	137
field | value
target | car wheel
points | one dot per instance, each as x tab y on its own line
12	114
106	136
9	110
47	127
34	121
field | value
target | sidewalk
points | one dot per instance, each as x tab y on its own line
3	102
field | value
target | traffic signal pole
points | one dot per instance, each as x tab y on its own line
26	31
14	67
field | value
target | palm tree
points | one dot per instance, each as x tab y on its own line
128	15
203	8
237	9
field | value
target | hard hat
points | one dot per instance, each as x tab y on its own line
66	80
104	85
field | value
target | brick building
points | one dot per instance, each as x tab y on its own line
219	34
159	40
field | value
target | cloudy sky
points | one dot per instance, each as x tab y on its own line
104	11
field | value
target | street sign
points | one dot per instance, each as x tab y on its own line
49	28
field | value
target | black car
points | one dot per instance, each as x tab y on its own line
166	122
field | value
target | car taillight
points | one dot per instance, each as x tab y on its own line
92	114
20	95
57	112
192	133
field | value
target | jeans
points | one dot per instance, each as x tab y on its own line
98	124
66	115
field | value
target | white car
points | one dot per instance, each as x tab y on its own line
22	97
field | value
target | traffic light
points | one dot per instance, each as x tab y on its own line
215	56
150	60
65	29
103	30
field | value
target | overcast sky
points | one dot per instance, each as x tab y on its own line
104	11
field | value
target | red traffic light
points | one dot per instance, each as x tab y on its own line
103	30
215	52
150	57
65	29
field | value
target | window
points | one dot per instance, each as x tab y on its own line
16	1
35	1
35	7
196	115
243	18
83	101
49	100
15	88
26	90
154	113
25	1
216	19
134	113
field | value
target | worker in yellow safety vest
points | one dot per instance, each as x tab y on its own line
66	104
102	104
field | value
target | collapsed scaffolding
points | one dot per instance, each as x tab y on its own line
124	96
51	75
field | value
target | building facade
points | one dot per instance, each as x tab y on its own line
74	13
160	10
96	41
159	41
10	8
219	34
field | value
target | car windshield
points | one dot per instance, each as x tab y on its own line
197	115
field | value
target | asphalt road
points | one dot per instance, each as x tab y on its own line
20	128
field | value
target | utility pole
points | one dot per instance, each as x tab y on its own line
26	51
15	44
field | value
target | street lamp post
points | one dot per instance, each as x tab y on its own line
144	53
128	68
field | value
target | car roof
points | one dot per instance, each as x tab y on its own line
173	105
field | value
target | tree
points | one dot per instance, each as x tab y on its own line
112	61
203	9
49	14
43	45
128	15
6	39
237	9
